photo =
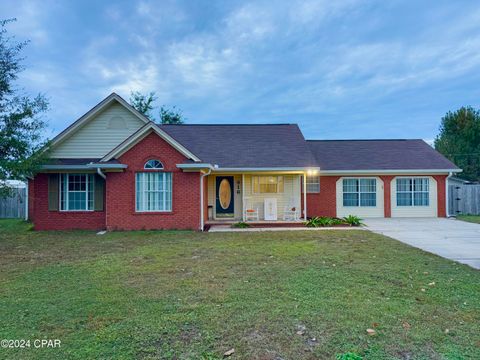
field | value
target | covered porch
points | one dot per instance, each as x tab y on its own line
254	197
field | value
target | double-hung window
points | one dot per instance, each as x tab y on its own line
413	192
267	184
360	192
76	192
313	184
153	189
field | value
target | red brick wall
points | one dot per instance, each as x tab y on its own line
441	208
387	192
323	203
44	219
120	190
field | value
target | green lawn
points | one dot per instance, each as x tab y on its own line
470	218
187	295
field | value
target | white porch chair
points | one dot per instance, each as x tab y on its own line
250	212
291	212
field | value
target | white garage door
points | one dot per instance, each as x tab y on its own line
360	196
414	196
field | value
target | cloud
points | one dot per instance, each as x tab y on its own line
350	64
157	18
249	23
32	17
315	11
113	13
138	73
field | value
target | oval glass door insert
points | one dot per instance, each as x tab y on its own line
225	194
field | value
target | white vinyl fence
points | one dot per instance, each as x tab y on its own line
14	205
464	199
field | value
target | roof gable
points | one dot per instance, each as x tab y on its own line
98	131
140	134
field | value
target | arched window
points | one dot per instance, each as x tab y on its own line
153	188
153	164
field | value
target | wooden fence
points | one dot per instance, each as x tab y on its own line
13	206
464	199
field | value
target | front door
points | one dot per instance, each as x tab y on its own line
224	204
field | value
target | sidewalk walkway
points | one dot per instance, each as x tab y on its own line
228	228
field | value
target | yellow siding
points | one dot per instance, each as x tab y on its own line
211	192
290	195
100	135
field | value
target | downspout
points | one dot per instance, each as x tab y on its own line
447	208
202	220
102	174
99	172
305	196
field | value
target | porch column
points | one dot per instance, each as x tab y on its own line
305	196
243	197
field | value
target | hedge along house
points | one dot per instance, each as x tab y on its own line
115	169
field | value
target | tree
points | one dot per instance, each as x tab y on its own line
172	116
459	140
21	127
143	102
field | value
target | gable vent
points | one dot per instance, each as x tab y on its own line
116	122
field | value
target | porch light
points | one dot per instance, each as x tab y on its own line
311	172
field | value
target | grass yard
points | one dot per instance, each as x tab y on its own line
469	218
272	295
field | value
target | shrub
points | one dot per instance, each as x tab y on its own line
323	221
337	221
241	225
352	220
313	222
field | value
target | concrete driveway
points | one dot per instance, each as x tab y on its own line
452	239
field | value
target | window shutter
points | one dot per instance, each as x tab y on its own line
53	192
99	193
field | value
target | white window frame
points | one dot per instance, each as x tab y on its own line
313	184
89	189
258	177
359	192
412	191
153	164
144	209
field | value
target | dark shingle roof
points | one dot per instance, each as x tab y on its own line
377	155
235	146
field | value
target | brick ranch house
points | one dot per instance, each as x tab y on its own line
115	169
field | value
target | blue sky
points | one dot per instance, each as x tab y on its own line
340	69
